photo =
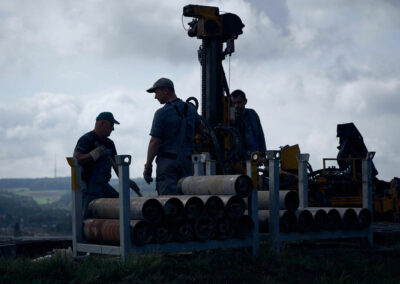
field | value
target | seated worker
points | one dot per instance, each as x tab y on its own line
249	126
95	153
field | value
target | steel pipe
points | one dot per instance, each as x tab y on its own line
204	228
162	232
183	231
364	217
194	206
216	185
243	227
173	208
349	218
305	220
287	221
214	205
224	228
107	231
320	218
142	208
288	200
234	205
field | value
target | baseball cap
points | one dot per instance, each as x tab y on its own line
106	116
161	83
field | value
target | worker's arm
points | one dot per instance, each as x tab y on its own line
83	159
152	151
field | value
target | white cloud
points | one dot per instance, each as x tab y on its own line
305	65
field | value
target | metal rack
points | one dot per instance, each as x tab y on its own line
126	249
277	237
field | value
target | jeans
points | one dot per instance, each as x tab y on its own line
169	171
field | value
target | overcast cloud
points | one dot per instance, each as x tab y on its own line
305	65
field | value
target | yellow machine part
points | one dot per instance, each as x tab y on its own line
288	157
389	203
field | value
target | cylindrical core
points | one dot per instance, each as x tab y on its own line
142	208
214	205
183	231
288	200
204	228
224	228
172	207
107	231
216	185
304	220
234	205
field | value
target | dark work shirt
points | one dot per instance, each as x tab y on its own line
166	126
252	132
98	172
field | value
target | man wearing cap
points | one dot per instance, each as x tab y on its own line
172	135
95	153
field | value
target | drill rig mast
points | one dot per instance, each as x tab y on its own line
215	29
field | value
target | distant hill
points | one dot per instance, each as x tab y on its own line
62	183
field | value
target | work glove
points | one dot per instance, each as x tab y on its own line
147	173
98	152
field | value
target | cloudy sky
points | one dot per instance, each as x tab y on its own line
305	65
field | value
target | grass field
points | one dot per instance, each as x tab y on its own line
40	196
302	264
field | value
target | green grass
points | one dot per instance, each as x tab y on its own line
294	265
41	197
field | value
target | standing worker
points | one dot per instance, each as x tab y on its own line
95	153
249	125
172	135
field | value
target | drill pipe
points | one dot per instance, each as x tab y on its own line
305	220
107	230
183	231
224	228
194	206
142	208
288	200
204	228
320	218
216	185
214	206
243	227
162	232
287	221
349	218
364	217
172	207
234	205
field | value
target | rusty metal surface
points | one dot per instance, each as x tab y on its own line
142	208
107	231
216	185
